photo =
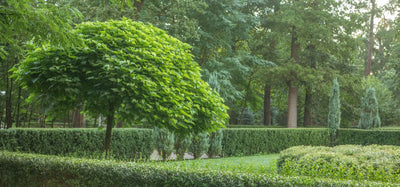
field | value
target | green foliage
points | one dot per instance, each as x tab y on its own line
182	145
334	107
18	169
243	141
127	144
368	137
165	141
215	144
200	145
248	117
130	67
354	162
369	111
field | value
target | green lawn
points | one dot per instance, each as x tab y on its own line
248	164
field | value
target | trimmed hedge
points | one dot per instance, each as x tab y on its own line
126	144
18	169
237	142
368	137
354	162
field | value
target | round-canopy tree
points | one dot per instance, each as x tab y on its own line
129	68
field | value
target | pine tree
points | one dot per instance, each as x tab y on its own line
334	107
369	117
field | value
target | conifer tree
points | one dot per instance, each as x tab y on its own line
369	117
215	144
164	142
334	107
200	145
182	145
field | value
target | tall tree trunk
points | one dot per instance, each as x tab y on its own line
78	119
267	104
371	40
293	89
110	120
30	115
307	119
9	87
17	117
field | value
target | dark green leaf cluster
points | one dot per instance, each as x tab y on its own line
18	169
200	145
215	144
165	142
130	67
354	162
368	137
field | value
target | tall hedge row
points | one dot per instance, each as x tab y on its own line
17	169
127	144
251	141
368	137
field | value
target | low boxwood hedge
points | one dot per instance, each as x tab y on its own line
354	162
21	169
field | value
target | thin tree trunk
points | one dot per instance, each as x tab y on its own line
9	87
78	119
246	96
18	107
95	122
110	120
371	40
293	89
30	116
267	104
307	120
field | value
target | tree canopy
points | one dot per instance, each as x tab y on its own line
129	68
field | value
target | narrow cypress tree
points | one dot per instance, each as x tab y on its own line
369	117
334	108
164	142
200	145
215	144
182	145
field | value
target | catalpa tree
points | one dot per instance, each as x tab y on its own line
127	68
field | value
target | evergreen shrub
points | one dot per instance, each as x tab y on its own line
215	144
182	145
20	169
368	137
200	145
354	162
165	142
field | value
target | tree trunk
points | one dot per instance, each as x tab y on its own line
246	96
30	116
78	119
17	117
293	89
95	122
9	86
371	40
120	124
307	120
267	104
292	107
110	120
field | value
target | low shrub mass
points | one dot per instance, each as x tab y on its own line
19	169
354	162
127	144
241	141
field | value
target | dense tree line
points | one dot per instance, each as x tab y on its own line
271	61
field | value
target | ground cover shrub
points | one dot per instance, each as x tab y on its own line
368	137
237	142
127	144
354	162
21	169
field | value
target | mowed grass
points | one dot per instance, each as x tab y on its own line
261	164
